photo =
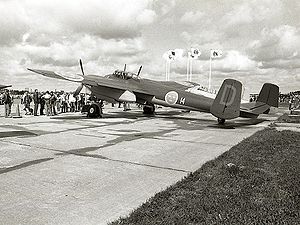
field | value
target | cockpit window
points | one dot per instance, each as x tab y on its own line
125	75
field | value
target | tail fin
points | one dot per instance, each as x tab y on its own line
227	102
269	94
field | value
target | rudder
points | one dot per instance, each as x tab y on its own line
228	100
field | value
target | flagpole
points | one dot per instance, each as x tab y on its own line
187	68
169	66
209	78
166	70
191	69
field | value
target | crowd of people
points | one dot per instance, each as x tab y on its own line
292	98
51	103
47	103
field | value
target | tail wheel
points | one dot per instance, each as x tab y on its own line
94	111
149	109
221	121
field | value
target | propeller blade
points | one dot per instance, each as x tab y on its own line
124	67
140	69
78	90
81	66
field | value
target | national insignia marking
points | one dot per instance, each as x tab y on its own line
171	97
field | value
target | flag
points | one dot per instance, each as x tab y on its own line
169	55
173	54
215	53
195	53
178	53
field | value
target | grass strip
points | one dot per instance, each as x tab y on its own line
255	182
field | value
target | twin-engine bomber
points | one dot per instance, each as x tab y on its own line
124	86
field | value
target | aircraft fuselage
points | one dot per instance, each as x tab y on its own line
149	91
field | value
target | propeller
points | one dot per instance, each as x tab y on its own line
78	90
140	69
81	66
124	68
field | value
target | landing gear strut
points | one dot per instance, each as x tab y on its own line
221	121
149	109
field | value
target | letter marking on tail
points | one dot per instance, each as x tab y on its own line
227	89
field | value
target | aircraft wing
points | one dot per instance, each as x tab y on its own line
46	73
4	86
105	87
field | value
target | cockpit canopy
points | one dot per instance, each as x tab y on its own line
125	75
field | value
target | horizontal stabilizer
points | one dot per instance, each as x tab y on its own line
227	102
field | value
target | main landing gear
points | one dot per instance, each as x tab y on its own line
221	121
93	110
149	109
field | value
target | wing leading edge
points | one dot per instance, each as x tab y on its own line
4	86
51	74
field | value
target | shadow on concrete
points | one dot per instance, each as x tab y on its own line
16	133
180	118
23	165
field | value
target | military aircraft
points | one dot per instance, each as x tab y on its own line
4	86
123	86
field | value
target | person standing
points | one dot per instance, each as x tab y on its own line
7	103
72	101
47	97
53	99
26	101
42	103
36	101
62	100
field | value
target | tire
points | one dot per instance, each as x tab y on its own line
149	109
94	111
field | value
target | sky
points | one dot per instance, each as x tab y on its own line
260	40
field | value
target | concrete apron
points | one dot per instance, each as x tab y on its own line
74	170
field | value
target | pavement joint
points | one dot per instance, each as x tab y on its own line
72	152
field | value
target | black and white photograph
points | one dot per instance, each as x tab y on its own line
149	112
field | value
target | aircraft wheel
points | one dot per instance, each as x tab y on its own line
149	109
221	121
94	111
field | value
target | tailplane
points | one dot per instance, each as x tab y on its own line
269	94
227	102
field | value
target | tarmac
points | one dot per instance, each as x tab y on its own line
70	169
